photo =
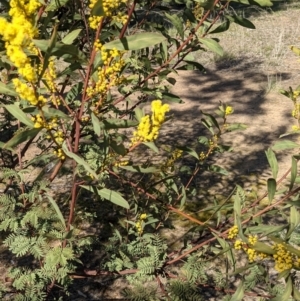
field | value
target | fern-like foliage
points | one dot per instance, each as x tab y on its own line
34	230
194	269
183	291
254	276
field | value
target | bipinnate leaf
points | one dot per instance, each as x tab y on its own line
239	293
79	160
287	292
271	188
136	41
110	195
212	45
19	115
21	137
272	162
285	144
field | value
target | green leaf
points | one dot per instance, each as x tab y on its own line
221	28
115	123
237	206
7	90
191	65
70	37
57	210
212	45
273	162
265	229
255	2
206	4
227	249
98	9
183	197
96	124
55	4
285	144
189	150
212	119
271	189
139	113
218	169
113	197
109	195
263	248
118	148
293	172
171	97
19	115
136	42
21	137
54	113
241	21
79	160
235	126
152	146
177	23
138	168
294	221
296	293
239	294
60	49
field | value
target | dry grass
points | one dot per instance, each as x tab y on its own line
266	47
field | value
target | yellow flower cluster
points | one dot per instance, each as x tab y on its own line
50	75
233	232
176	154
18	35
59	137
60	154
27	92
148	128
110	9
139	225
228	110
283	258
109	74
121	163
251	253
40	122
295	112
